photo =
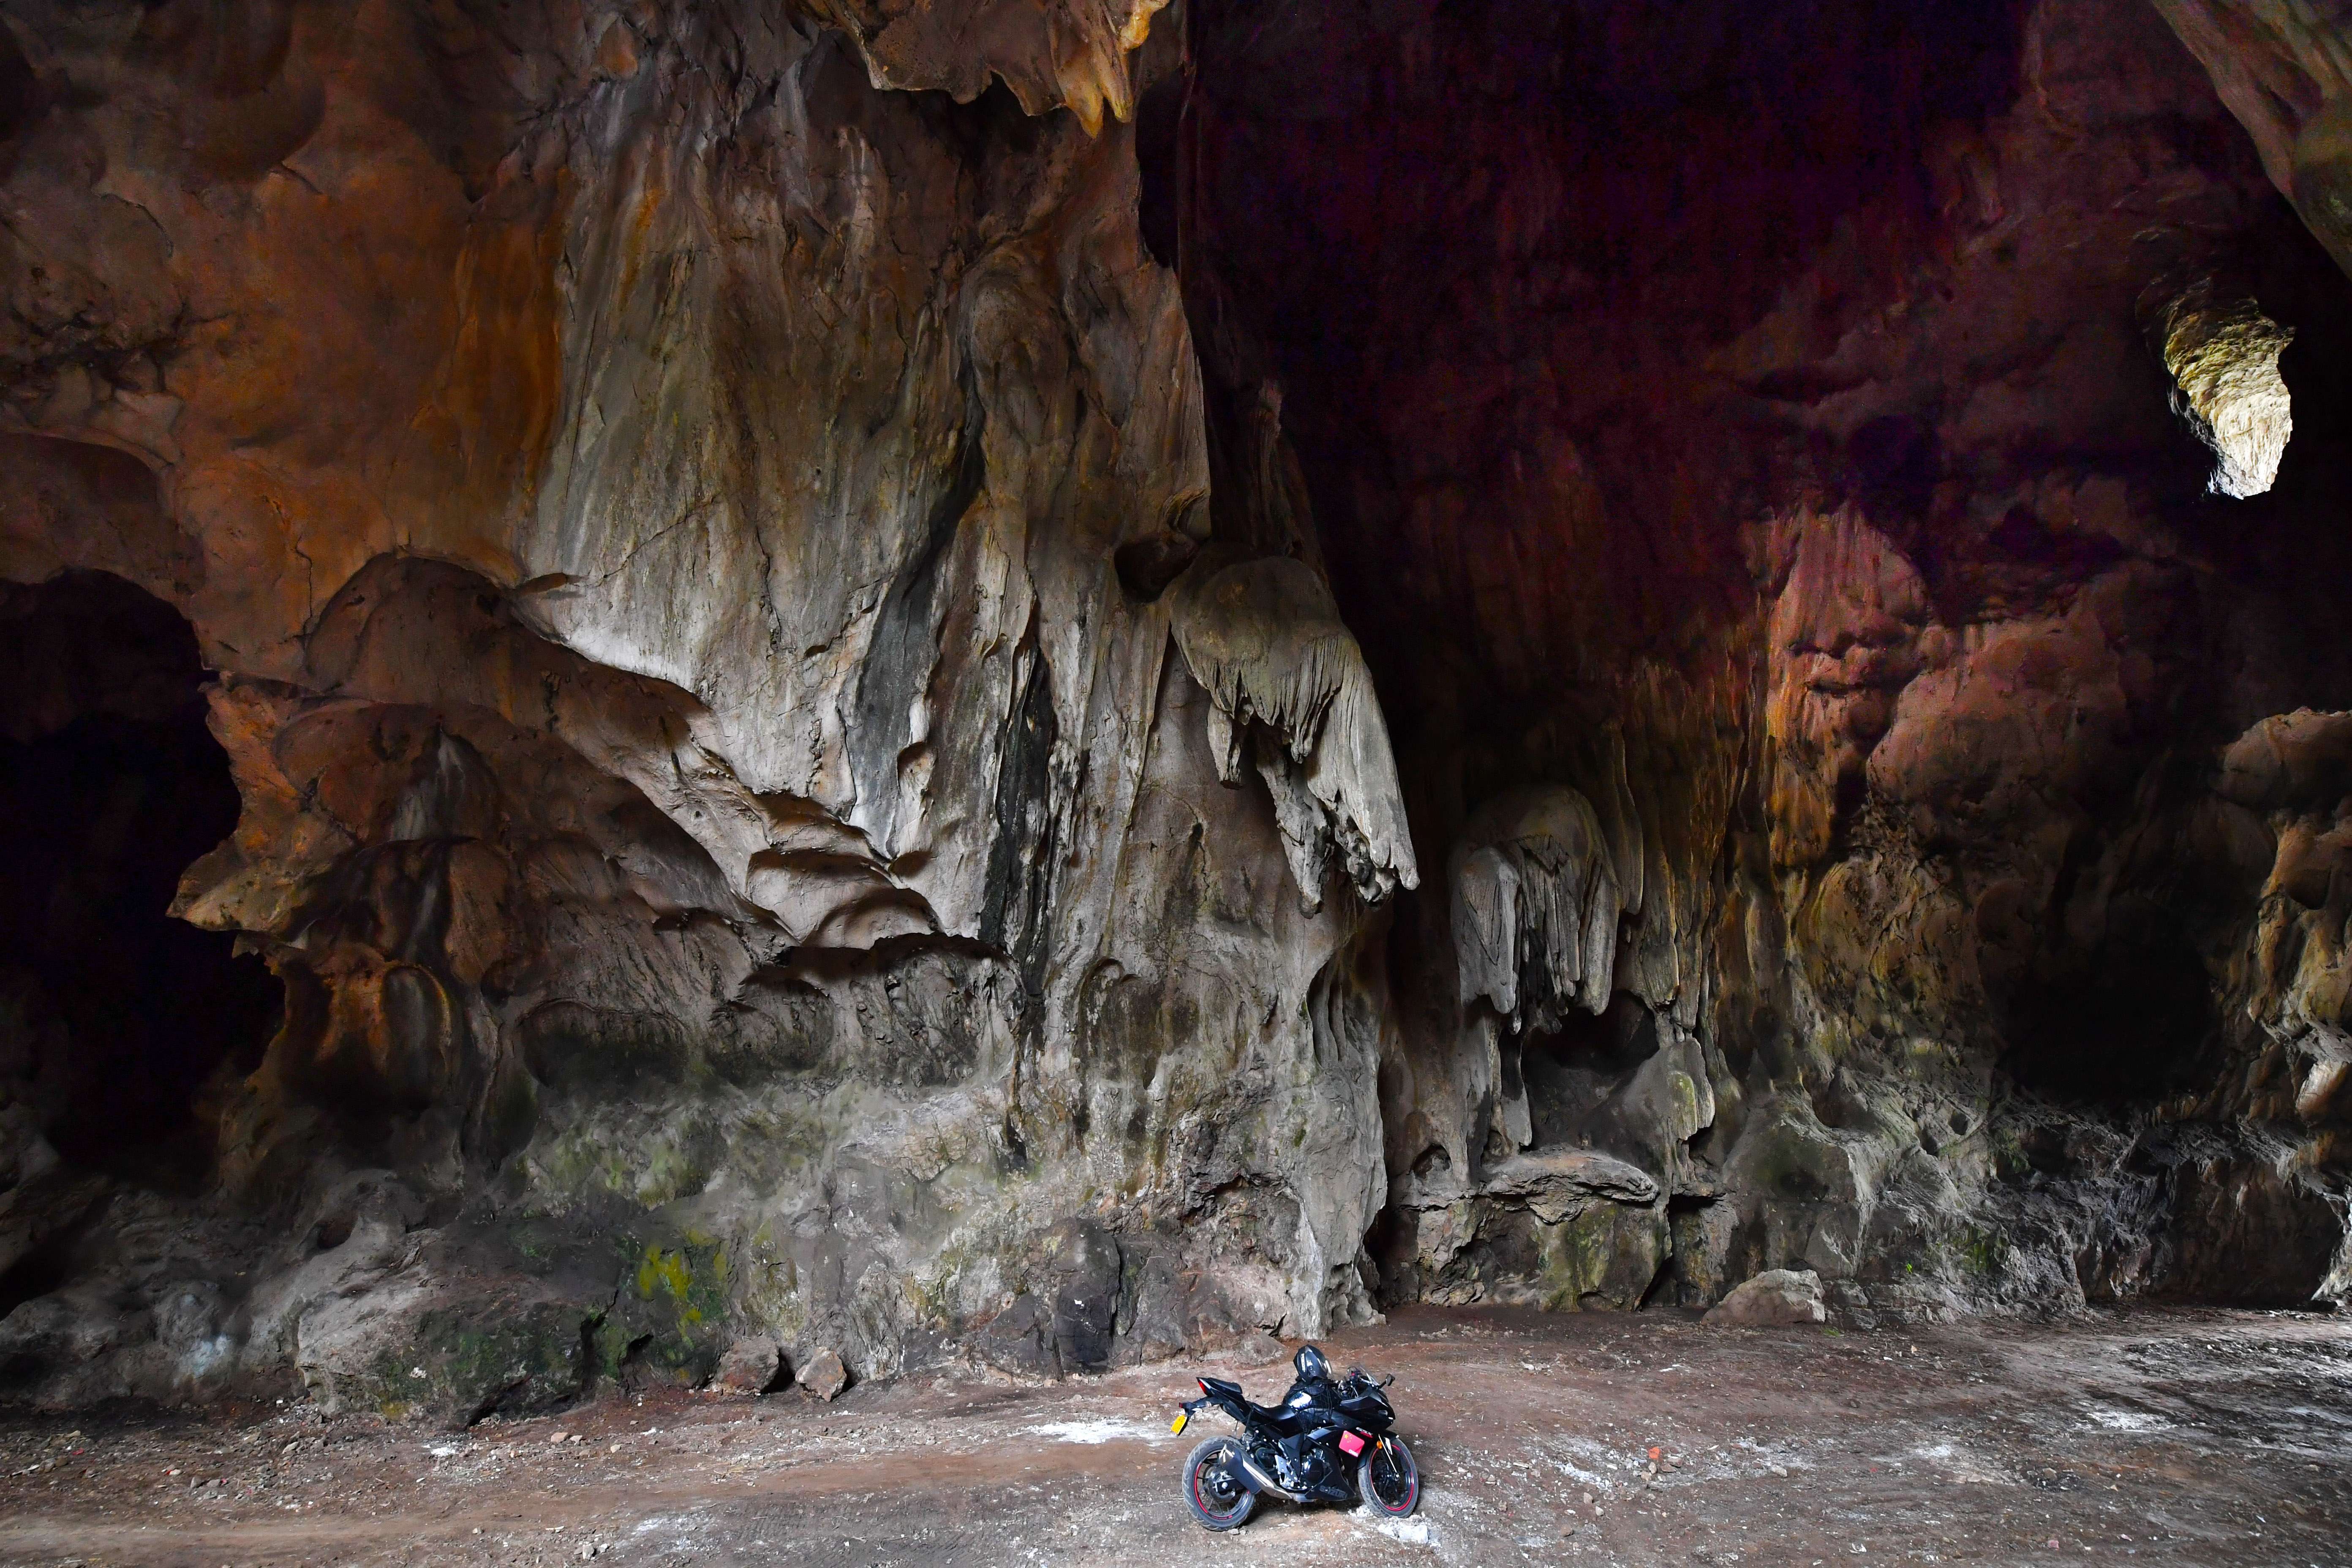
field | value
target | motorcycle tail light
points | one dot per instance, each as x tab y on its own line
1204	1382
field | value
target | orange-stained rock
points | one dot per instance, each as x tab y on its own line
651	481
743	553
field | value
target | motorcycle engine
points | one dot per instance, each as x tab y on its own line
1305	1466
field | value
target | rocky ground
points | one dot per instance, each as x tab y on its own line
2157	1436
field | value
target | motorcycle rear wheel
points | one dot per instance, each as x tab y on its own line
1388	1480
1219	1501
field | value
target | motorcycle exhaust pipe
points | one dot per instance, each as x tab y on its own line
1260	1481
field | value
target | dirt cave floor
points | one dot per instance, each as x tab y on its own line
2150	1436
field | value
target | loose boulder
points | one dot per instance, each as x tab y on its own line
824	1377
1775	1297
753	1365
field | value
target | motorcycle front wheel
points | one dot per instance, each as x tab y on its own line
1387	1479
1219	1501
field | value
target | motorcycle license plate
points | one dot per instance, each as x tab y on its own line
1351	1444
1181	1419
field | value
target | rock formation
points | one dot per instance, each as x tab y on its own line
732	848
1285	680
834	640
1827	489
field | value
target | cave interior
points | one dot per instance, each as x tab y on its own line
703	680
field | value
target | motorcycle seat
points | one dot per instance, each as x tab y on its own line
1281	1416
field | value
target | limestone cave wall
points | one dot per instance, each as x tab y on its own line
1864	680
1057	682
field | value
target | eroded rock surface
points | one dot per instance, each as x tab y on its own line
841	635
1823	549
651	481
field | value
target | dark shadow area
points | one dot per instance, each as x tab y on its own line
2138	1028
1570	1071
112	1014
1157	122
1571	209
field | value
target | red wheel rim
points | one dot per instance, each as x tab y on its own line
1410	1479
1202	1502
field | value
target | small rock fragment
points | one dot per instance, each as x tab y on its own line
824	1377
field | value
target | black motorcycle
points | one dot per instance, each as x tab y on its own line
1326	1442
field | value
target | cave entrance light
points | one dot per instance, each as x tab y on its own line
2223	354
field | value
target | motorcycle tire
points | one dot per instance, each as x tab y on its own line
1219	1501
1388	1480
